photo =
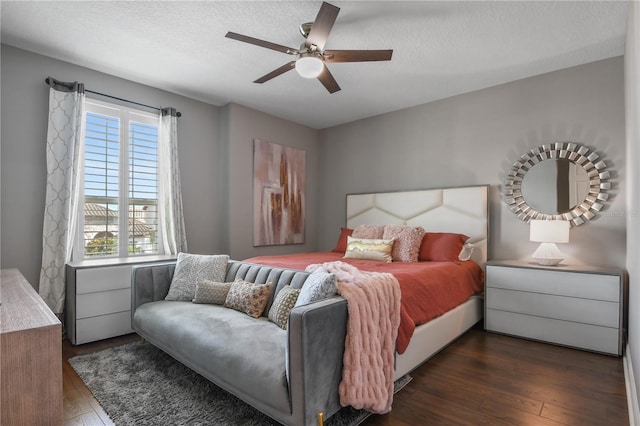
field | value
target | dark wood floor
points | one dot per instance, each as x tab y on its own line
481	379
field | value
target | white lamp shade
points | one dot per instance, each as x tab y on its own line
549	231
309	66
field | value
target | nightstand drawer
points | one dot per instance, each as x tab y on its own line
560	282
587	311
104	302
101	279
103	327
585	336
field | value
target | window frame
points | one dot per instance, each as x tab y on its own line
125	115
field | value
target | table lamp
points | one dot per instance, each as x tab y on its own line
548	233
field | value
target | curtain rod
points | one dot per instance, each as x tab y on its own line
51	81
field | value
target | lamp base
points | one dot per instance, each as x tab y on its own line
548	254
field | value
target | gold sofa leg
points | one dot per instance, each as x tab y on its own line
320	418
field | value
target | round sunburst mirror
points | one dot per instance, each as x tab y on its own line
559	181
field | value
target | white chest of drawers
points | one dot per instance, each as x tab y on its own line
98	298
575	306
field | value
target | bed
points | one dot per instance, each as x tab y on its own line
462	210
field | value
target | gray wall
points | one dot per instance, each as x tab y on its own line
474	138
23	164
243	126
632	213
468	139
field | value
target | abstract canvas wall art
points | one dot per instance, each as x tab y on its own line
278	194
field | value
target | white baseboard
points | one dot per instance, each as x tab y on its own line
630	385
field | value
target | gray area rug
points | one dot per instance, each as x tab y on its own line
138	384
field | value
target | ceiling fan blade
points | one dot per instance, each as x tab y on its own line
261	43
322	25
276	72
357	55
327	80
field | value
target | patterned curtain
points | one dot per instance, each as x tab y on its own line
173	234
64	164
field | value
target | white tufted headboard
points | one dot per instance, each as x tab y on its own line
461	210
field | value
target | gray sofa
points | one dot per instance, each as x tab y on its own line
290	375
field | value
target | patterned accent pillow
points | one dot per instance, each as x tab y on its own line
282	305
319	285
192	269
368	231
211	292
369	249
248	297
407	240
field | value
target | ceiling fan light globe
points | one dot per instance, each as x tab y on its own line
309	66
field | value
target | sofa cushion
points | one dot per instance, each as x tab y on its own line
219	343
282	305
192	269
211	292
263	274
319	285
247	297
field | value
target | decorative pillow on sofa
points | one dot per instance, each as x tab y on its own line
319	285
211	292
368	231
248	297
407	241
441	246
369	249
192	269
282	305
341	247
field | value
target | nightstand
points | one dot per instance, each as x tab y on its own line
577	306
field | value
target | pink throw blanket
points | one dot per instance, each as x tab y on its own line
373	300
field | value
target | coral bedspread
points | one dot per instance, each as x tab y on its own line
429	289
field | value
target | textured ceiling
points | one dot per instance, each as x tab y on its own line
440	48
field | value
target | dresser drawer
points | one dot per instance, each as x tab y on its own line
562	283
585	336
91	280
104	302
587	311
103	327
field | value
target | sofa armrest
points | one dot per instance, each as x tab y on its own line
150	283
316	347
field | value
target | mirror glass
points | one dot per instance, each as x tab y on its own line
555	186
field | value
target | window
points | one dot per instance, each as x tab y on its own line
120	183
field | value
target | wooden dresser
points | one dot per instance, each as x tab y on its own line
30	355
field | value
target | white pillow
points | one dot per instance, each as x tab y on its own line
319	285
192	269
466	252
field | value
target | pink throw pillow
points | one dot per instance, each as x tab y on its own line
407	241
369	232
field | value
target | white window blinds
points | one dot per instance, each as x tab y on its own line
120	182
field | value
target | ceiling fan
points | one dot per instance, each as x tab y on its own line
311	58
